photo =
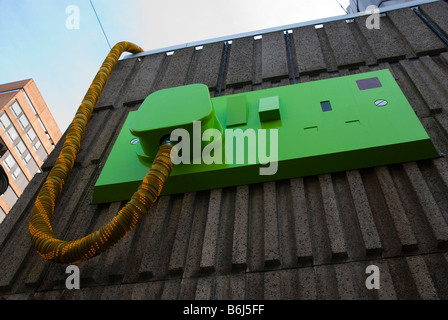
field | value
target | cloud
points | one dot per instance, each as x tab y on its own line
161	24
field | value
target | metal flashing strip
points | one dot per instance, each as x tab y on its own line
274	29
431	25
223	67
290	59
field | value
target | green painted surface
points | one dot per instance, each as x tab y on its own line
166	110
269	109
236	111
354	133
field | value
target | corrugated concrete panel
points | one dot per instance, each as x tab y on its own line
271	236
436	13
240	62
385	43
210	244
144	78
274	61
428	87
239	243
397	213
302	238
364	216
301	222
327	50
332	218
419	37
207	70
308	52
343	44
176	70
177	257
116	82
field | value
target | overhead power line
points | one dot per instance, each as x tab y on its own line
342	7
93	7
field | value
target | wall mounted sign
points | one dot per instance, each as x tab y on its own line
325	126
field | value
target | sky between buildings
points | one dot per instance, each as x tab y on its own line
36	43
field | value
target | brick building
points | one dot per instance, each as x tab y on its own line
28	134
303	238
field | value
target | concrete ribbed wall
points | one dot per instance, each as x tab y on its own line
304	238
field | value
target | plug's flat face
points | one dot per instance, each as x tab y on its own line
324	126
169	109
172	108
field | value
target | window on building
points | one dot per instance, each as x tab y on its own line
24	154
9	162
31	135
37	145
42	125
15	107
29	102
4	120
27	158
12	133
23	151
21	148
8	127
16	173
23	120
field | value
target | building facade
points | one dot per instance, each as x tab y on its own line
28	135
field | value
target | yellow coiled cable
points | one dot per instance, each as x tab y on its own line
40	226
